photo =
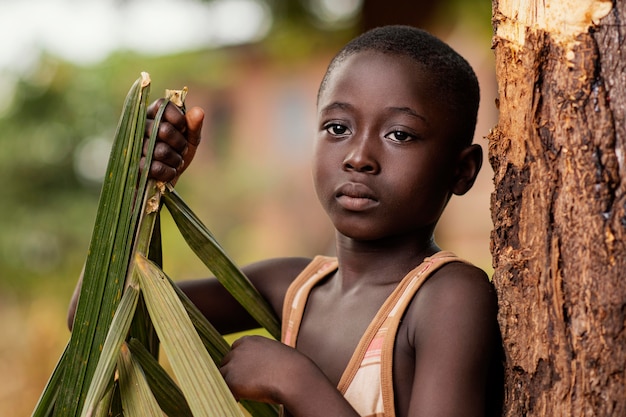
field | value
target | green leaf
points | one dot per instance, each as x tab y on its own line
103	375
109	251
168	395
137	399
104	405
199	378
202	242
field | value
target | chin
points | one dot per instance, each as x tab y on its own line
357	234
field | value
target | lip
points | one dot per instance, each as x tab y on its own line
355	197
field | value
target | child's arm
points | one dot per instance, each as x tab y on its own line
270	277
456	343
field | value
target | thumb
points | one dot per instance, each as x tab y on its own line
194	117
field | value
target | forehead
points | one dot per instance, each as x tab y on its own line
376	78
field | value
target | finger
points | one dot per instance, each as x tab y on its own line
165	154
230	376
194	118
174	115
231	385
171	135
153	108
161	172
243	339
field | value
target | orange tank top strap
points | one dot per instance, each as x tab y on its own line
367	382
297	294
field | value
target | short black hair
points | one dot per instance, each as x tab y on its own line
453	78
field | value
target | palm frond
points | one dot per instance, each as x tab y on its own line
126	301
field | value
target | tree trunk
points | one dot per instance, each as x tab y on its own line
559	205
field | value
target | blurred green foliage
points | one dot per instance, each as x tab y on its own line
47	208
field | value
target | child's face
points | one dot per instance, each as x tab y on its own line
383	163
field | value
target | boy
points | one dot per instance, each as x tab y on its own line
396	116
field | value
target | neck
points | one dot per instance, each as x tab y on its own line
382	261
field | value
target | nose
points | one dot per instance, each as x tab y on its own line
362	156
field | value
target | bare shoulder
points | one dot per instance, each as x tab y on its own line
452	331
276	268
457	287
273	276
456	298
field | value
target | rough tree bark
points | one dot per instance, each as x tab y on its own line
559	205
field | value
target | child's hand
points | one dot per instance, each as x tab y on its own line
261	369
177	140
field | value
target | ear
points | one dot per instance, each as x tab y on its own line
468	165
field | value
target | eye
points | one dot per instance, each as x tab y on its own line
400	136
336	129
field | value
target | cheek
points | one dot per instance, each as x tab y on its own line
423	189
319	168
326	171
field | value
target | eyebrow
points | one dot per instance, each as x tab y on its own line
342	106
409	111
336	105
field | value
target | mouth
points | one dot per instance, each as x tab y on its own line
356	197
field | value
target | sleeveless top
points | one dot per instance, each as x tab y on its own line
367	382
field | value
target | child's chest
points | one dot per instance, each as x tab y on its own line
333	325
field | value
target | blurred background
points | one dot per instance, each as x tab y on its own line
254	66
